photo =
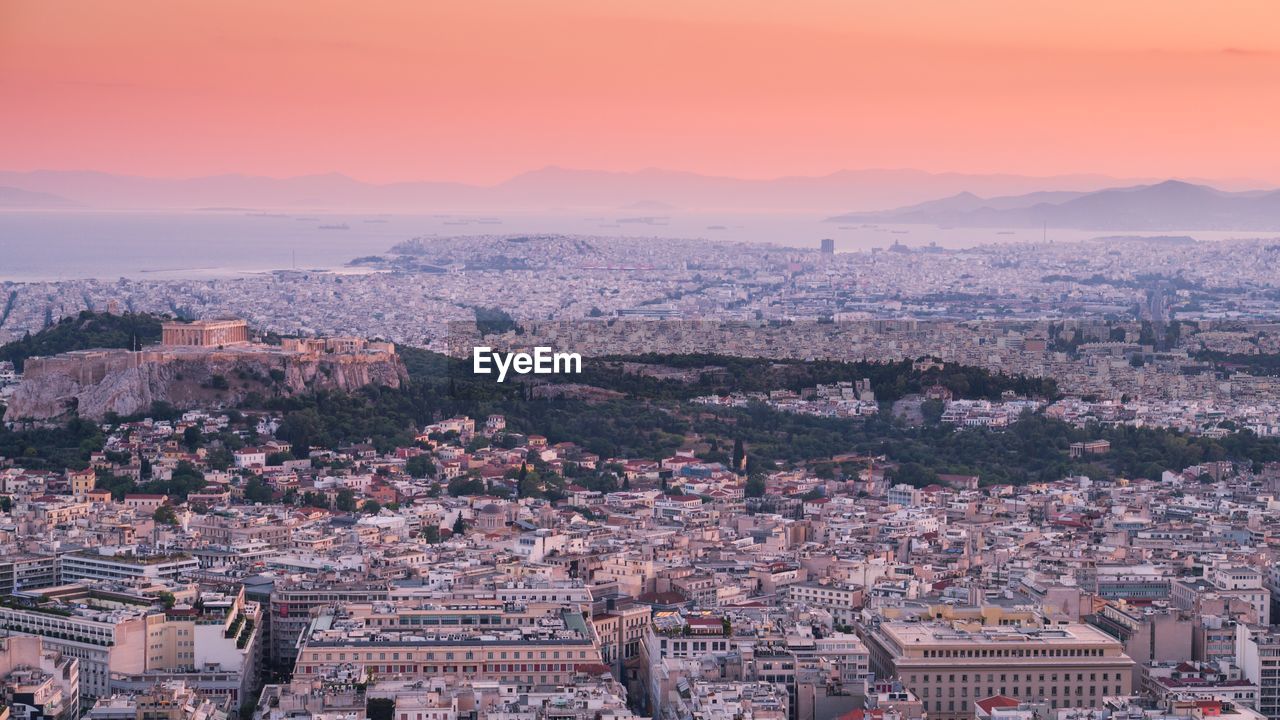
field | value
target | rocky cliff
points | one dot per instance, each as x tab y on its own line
93	383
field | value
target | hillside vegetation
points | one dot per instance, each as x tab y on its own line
84	331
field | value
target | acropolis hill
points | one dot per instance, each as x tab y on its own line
197	364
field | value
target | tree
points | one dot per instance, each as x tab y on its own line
431	534
315	499
522	481
117	485
276	459
370	507
184	480
420	466
739	455
380	708
345	500
167	599
459	526
165	515
461	485
755	485
298	429
191	437
931	410
219	458
257	491
914	474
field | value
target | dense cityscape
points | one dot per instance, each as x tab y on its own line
1020	494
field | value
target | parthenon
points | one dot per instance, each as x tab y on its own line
205	333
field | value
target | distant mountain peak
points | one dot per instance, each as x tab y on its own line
12	197
1166	205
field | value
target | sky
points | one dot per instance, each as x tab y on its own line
478	91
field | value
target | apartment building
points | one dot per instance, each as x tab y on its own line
87	565
1258	655
38	683
848	655
102	640
292	606
621	631
1149	634
1225	591
124	643
840	599
215	647
27	572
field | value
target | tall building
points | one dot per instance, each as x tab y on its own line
102	640
1228	591
19	573
36	682
291	606
1258	655
123	643
948	668
828	246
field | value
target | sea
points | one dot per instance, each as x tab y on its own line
39	246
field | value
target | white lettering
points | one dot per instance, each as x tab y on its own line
572	363
479	358
541	362
498	359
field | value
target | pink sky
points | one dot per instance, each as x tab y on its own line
477	91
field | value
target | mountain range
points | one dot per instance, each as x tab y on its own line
12	197
1169	205
548	189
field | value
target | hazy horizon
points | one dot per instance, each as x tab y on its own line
552	190
403	91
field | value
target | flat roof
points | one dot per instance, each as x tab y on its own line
917	634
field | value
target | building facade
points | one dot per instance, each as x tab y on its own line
1069	665
204	333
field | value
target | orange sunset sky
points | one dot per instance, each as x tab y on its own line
479	90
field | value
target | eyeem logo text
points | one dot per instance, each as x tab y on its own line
542	361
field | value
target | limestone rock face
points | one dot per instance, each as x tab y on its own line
93	383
